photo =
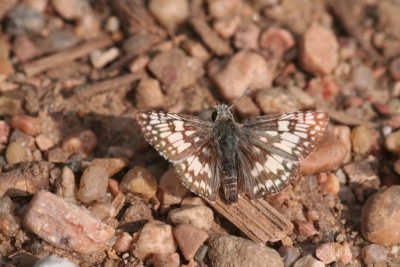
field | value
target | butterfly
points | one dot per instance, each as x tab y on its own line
258	157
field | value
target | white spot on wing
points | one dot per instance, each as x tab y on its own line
175	137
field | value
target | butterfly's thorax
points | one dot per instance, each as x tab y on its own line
226	134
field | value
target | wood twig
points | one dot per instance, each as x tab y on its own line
256	218
59	58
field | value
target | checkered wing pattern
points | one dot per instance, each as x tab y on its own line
186	142
272	146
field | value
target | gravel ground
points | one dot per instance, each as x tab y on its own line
80	186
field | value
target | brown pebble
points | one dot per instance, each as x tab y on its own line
308	261
227	27
246	107
65	225
362	139
196	50
17	153
170	13
347	254
9	224
189	239
327	252
27	124
66	187
93	184
306	229
136	216
171	191
111	165
374	254
192	201
276	40
392	142
394	68
246	37
199	216
83	142
139	181
329	183
113	187
4	132
123	243
149	95
166	260
44	142
319	50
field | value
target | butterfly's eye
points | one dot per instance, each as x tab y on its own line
214	115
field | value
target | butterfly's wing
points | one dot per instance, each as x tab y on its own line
271	147
187	142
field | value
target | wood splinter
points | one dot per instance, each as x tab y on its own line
256	218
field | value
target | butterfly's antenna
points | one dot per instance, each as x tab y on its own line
193	90
240	98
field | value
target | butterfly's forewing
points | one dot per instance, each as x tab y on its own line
185	141
272	146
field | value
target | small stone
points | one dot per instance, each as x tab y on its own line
6	205
111	165
244	70
196	50
4	132
54	261
93	184
362	139
226	250
71	9
27	124
276	100
175	69
24	19
227	27
246	37
83	142
192	201
65	225
276	40
343	134
308	261
319	50
394	69
149	95
170	13
328	156
199	216
220	9
380	219
330	183
306	228
139	181
327	252
155	238
88	26
45	141
363	78
113	187
289	255
374	254
392	142
166	260
189	239
9	224
171	191
10	106
101	58
66	187
123	243
136	216
60	40
17	153
112	24
247	108
139	64
6	6
347	254
25	179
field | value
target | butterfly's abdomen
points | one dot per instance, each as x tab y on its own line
228	143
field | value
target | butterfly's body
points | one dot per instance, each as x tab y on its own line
258	157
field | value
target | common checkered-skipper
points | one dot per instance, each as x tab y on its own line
259	156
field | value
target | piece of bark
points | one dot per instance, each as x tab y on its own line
218	45
59	58
257	219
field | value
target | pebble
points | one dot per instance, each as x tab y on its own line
247	108
246	37
24	20
65	225
54	261
226	250
136	216
101	58
175	69
220	9
83	142
394	69
139	181
347	254
17	153
6	205
276	40
170	13
363	78
111	165
193	201
27	124
327	252
171	191
88	26
66	187
9	224
149	95
5	6
196	50
374	254
4	132
276	100
289	255
25	180
10	106
343	134
155	238
60	40
392	142
45	141
71	9
329	183
112	24
306	228
244	70
384	204
139	64
199	216
328	156
362	139
227	27
189	239
308	261
93	184
166	260
319	50
123	243
6	66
